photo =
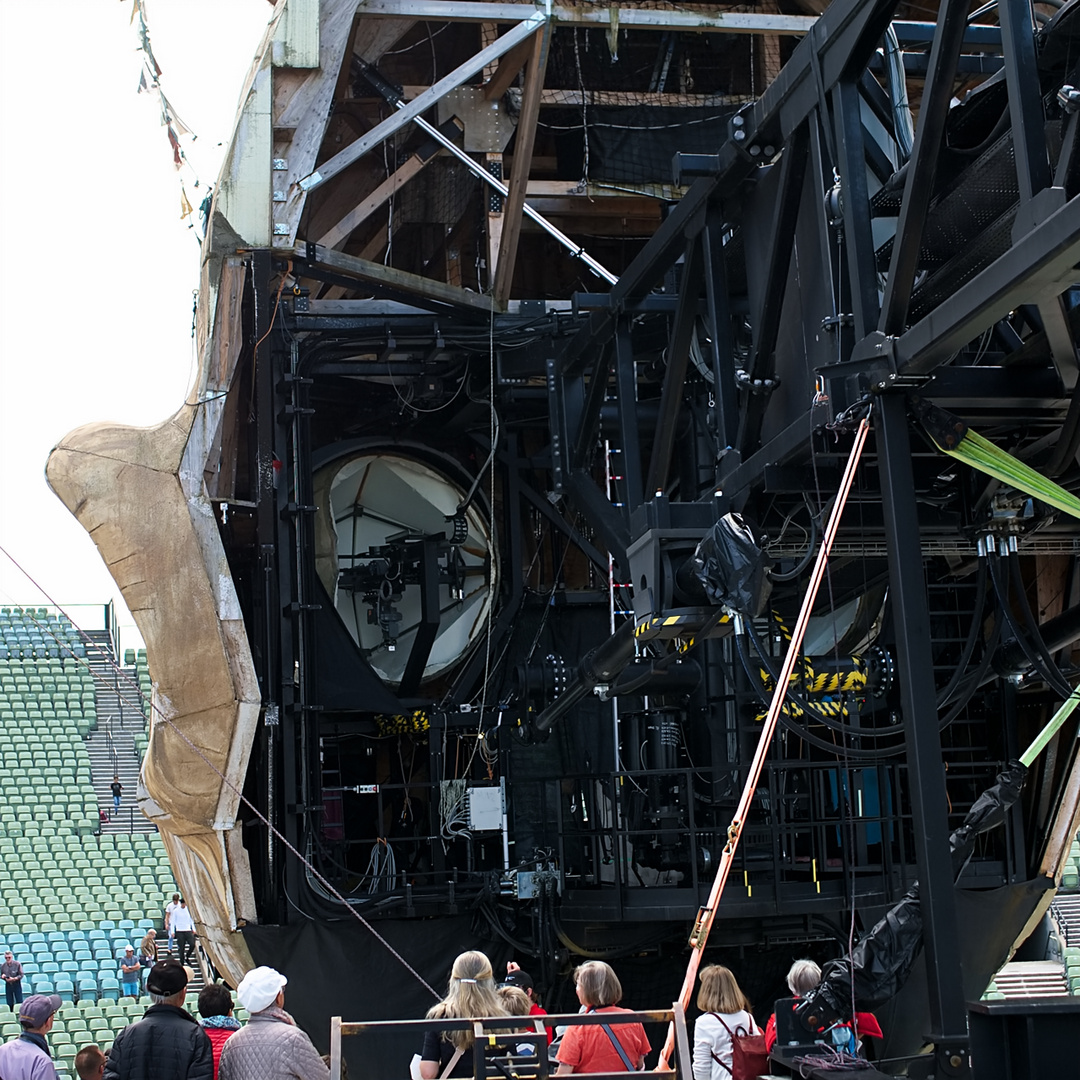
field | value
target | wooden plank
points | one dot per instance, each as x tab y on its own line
623	97
519	176
375	36
373	247
574	189
507	71
378	134
296	40
1051	579
627	16
769	52
391	278
308	113
382	194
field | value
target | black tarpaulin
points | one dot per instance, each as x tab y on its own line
882	961
990	920
341	969
730	564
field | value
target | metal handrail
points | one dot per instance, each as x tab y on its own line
518	1027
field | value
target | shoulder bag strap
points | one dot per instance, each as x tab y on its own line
618	1045
712	1053
451	1063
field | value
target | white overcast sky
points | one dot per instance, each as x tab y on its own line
97	270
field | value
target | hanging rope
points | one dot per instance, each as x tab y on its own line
703	924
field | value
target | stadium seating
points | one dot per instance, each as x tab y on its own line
70	896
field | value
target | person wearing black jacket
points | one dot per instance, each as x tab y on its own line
167	1043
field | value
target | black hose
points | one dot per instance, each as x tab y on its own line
796	729
1033	627
969	645
496	925
803	703
1057	683
975	679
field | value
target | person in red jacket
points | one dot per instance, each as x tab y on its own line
523	981
801	979
215	1008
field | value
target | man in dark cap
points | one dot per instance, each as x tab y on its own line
27	1056
523	981
166	1043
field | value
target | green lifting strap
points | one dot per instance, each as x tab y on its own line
952	436
1048	732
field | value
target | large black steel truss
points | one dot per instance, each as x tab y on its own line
807	275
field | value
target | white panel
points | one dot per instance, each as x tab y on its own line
296	41
243	193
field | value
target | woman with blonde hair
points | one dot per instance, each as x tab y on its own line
471	993
612	1047
725	1010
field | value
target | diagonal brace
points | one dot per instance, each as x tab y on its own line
395	122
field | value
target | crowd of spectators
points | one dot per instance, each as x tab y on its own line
169	1043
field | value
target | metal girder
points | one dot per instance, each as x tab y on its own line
584	438
641	275
976	35
776	451
626	398
721	342
844	37
678	355
1028	123
1037	268
858	235
918	188
598	558
1025	97
929	799
766	322
610	525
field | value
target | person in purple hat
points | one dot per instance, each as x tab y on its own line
27	1056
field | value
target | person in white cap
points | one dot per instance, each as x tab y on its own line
271	1047
27	1056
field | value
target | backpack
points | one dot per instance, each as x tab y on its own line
749	1058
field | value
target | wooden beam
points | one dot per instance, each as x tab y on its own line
299	109
424	155
507	71
519	175
574	189
390	278
769	51
627	16
372	248
397	120
623	97
334	237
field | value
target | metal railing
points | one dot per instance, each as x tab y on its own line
812	826
491	1058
